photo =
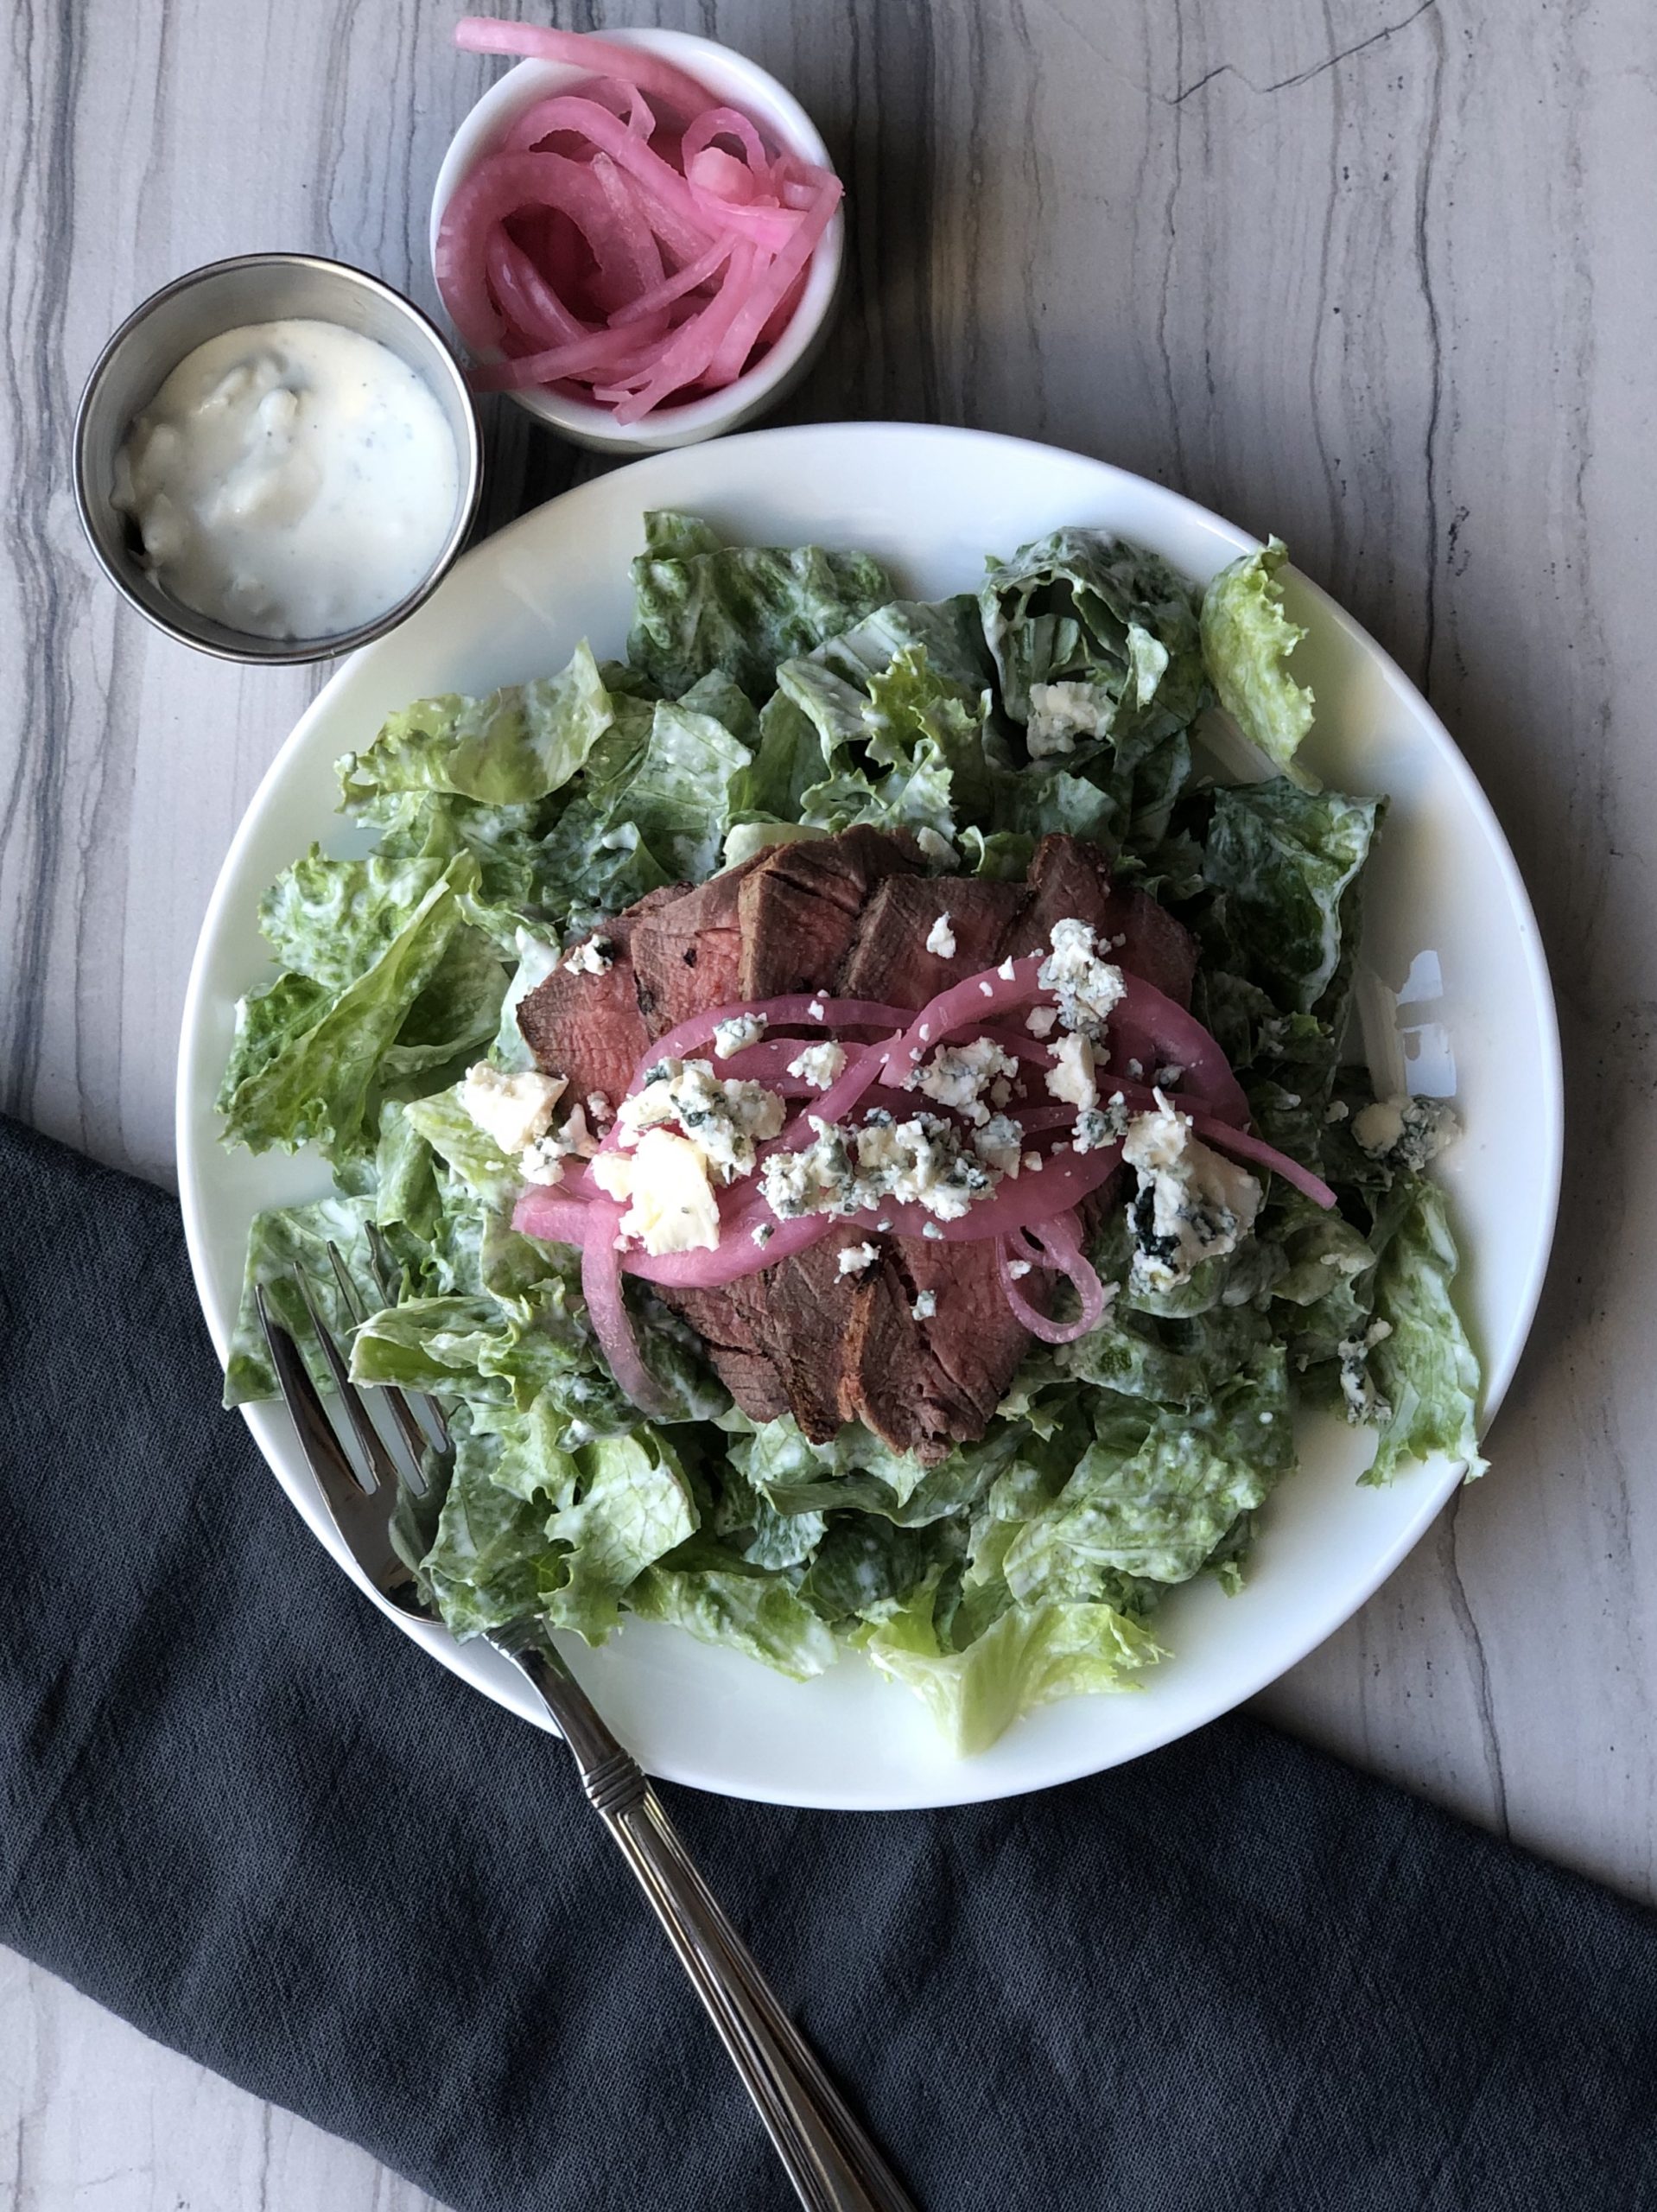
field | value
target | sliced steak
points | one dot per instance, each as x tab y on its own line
591	1027
800	1337
926	1386
888	958
779	1339
686	954
798	909
1070	881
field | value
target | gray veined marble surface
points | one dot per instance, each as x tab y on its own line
1378	276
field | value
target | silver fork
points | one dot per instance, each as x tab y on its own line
829	2155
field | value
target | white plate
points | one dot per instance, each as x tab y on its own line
931	502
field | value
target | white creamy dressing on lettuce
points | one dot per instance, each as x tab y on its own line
290	480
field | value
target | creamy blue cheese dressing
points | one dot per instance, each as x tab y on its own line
290	480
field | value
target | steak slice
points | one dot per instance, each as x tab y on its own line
1070	881
926	1386
799	911
591	1027
687	953
803	1338
889	960
779	1339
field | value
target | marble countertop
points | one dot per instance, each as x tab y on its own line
1377	278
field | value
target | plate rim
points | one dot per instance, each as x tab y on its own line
1437	1488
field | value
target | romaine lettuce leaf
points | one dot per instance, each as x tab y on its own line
515	745
1283	861
526	1452
1178	1360
679	798
467	1151
282	1239
1158	1487
857	1471
1093	639
745	1519
699	605
720	1599
916	751
1030	1656
634	1505
406	1194
315	1075
947	631
1248	642
1425	1367
492	1564
863	1563
332	919
657	815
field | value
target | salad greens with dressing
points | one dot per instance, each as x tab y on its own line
774	694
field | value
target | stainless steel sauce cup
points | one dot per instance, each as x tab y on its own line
203	304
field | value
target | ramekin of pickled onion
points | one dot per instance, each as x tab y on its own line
729	80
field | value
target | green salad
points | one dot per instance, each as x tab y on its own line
769	695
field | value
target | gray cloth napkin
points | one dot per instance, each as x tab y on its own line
240	1809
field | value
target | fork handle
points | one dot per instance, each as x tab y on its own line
833	2166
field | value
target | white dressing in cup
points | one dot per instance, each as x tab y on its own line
290	480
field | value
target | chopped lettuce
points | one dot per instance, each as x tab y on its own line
1093	639
1283	862
1029	1657
1423	1367
1248	642
491	1563
722	1599
284	1242
781	694
311	1064
517	744
634	1506
700	605
1158	1487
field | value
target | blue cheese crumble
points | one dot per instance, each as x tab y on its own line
514	1110
957	1074
725	1119
595	957
845	1171
1098	1125
1060	713
1363	1402
1086	987
1070	1078
541	1159
820	1064
736	1035
857	1259
1406	1132
941	938
1192	1204
671	1205
999	1144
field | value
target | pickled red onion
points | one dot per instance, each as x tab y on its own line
689	236
607	1309
632	65
1055	1244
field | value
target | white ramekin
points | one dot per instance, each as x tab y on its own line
730	77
